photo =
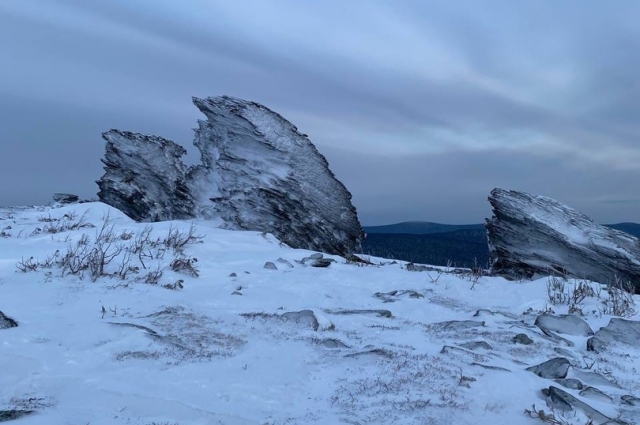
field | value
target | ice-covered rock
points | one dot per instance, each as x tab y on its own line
564	324
257	172
145	177
531	235
552	369
618	331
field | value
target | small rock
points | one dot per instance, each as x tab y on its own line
379	313
316	256
376	352
572	384
305	317
522	339
233	275
7	322
457	325
270	266
475	345
594	378
322	262
595	394
630	400
552	369
65	198
333	343
10	415
285	262
564	324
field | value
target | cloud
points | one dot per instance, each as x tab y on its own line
464	94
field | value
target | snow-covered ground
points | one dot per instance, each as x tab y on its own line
223	350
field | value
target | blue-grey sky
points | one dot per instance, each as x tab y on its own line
421	107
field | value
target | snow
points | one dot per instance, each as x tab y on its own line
200	355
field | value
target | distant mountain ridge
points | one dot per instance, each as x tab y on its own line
462	245
421	227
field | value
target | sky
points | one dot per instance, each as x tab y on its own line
421	107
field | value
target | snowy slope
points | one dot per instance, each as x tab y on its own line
203	355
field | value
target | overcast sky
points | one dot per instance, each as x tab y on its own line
421	107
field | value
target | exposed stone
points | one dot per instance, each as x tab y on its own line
270	266
65	198
618	331
396	295
630	400
379	313
533	235
571	383
593	378
595	394
316	256
561	400
522	339
332	343
7	322
457	325
13	414
321	263
563	323
257	172
145	177
304	317
475	345
375	352
285	262
552	369
419	268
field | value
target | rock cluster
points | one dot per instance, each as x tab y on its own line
257	172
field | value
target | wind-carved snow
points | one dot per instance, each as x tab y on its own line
257	172
532	234
388	345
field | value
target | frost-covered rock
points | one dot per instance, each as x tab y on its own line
262	174
257	172
618	331
65	198
552	369
531	235
567	324
145	177
7	322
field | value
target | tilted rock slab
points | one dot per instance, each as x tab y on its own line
618	331
257	172
533	235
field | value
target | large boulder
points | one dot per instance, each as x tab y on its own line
145	177
533	235
257	172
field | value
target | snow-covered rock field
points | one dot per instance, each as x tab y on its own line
185	325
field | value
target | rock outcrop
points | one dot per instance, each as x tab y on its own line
145	177
257	172
533	235
618	331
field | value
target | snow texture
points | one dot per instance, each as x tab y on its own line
532	235
351	343
257	172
